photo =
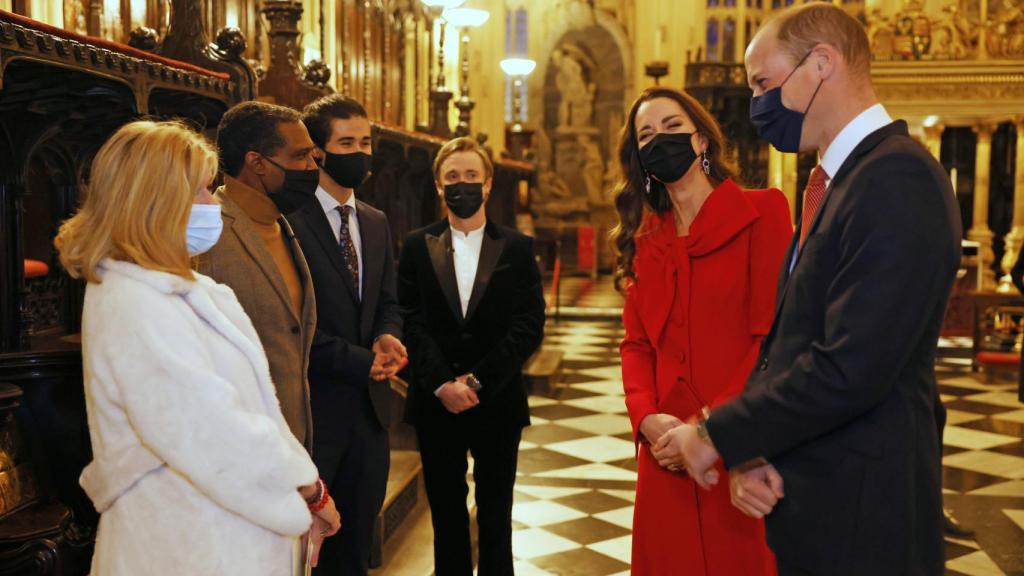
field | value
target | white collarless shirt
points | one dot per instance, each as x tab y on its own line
330	207
466	254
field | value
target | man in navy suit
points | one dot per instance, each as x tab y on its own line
834	440
357	346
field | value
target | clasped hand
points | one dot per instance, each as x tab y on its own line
756	491
389	356
326	523
681	447
678	446
457	396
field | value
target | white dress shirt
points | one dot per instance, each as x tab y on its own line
850	137
845	142
330	207
466	253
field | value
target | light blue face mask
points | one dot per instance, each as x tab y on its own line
204	228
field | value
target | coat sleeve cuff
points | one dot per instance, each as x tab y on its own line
732	445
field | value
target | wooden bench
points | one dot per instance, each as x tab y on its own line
543	371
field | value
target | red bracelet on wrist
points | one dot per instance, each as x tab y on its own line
322	501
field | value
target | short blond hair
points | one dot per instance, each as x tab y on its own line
800	28
462	144
137	202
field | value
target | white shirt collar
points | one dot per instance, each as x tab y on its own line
851	135
328	202
471	235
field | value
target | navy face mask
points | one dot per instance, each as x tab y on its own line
775	123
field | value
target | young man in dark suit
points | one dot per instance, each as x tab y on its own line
357	345
471	292
834	440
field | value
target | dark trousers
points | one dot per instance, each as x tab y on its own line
355	468
495	448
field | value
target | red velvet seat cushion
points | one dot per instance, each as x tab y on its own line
998	358
35	269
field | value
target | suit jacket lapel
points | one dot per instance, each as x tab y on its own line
370	237
490	253
321	228
440	249
896	128
308	314
254	245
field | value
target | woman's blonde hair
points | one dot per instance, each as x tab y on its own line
138	199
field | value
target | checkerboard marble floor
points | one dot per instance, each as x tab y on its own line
577	475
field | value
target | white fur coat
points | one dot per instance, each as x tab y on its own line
194	470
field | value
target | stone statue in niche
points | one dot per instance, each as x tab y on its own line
554	200
578	14
593	169
576	105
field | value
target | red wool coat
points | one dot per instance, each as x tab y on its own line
694	320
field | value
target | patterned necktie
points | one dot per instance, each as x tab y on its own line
814	193
348	247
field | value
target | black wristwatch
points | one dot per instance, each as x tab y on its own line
473	383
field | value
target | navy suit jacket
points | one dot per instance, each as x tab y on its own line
341	355
842	398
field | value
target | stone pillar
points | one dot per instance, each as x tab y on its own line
740	47
94	19
980	232
983	30
933	139
777	177
1015	238
790	174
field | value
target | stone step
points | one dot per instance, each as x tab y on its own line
401	500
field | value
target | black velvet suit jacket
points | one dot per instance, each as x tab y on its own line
503	326
346	328
842	398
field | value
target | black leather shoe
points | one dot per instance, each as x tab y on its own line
952	527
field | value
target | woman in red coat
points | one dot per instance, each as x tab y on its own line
699	260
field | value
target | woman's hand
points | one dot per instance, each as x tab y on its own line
322	529
328	514
654	426
330	517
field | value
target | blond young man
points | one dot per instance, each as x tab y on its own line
471	292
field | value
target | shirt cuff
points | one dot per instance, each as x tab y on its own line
437	392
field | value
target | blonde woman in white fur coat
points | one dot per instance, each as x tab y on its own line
194	470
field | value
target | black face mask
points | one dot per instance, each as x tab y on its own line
464	198
668	156
299	188
348	170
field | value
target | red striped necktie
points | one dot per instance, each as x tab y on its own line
814	193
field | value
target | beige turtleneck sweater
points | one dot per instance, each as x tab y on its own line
266	220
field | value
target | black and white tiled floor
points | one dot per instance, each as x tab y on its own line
577	474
